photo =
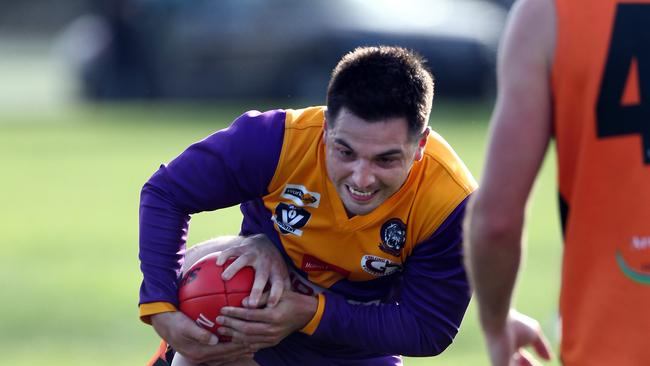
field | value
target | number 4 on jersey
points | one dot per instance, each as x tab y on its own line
629	46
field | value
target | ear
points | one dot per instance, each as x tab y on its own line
325	129
422	142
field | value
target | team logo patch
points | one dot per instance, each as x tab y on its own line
313	264
290	218
299	195
378	266
393	237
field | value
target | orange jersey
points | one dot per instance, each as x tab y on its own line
601	93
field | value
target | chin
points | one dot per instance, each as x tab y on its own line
360	210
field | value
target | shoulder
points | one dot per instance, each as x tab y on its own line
443	183
530	31
442	163
306	118
254	119
293	129
303	130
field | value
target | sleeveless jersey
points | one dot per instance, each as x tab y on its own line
601	92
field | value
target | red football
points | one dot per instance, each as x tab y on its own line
202	292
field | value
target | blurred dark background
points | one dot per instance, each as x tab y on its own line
95	95
259	49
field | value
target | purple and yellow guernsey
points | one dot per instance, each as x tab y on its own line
388	283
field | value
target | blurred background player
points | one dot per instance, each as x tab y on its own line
578	71
362	201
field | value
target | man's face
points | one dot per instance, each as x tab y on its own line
368	162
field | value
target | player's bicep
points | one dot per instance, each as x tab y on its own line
228	167
521	123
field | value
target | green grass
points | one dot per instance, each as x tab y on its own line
69	193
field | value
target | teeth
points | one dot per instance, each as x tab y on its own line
359	193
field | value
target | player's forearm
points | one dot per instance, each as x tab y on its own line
163	228
384	329
226	168
493	254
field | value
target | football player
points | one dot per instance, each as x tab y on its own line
358	203
572	70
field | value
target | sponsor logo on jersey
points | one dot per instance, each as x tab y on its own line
301	196
378	266
290	218
313	264
393	237
634	259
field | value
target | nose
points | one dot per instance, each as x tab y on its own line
363	175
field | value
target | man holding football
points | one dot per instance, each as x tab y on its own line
359	205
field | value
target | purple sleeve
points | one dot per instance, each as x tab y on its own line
434	296
230	166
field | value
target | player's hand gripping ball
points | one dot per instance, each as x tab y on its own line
203	292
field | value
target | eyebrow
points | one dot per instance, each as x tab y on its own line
380	155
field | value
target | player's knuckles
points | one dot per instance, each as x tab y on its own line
249	328
248	257
257	288
274	317
241	340
224	331
244	325
247	316
226	321
202	337
225	254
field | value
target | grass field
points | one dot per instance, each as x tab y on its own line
69	193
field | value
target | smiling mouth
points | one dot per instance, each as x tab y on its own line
360	195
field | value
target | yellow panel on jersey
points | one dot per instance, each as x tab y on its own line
310	218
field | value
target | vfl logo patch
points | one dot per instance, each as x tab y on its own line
290	218
378	266
301	196
393	237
